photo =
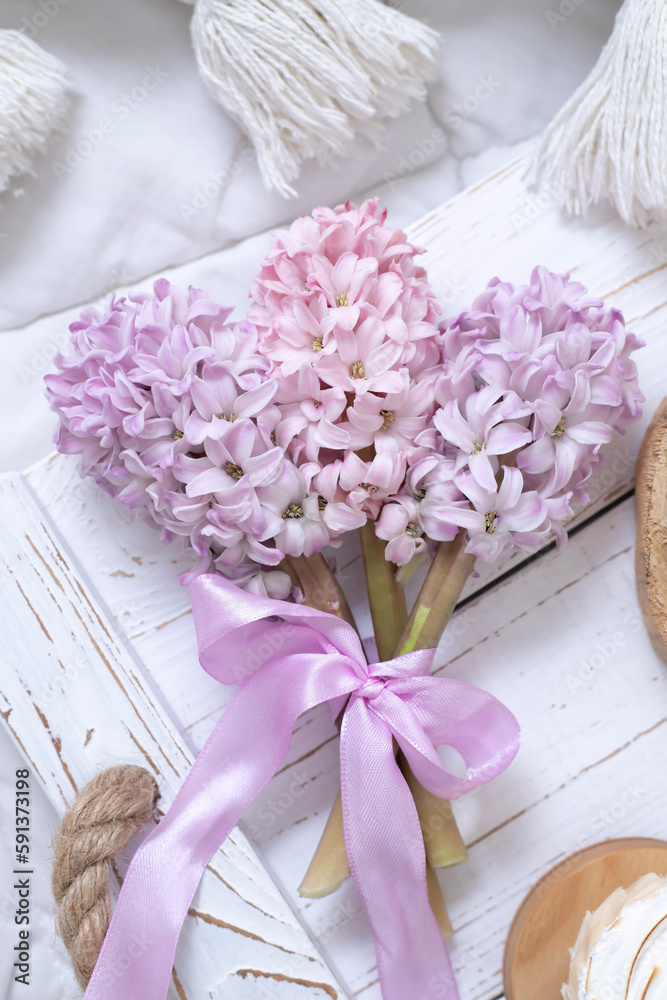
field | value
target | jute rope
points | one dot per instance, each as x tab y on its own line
107	813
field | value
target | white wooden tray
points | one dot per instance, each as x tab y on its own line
101	665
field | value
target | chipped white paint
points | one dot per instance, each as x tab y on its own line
560	642
73	696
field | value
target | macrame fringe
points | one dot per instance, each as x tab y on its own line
304	78
34	102
106	815
609	142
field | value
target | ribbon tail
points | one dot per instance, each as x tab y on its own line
385	849
243	752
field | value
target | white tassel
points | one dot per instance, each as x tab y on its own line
33	102
609	142
304	78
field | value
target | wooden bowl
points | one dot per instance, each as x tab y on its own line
651	511
537	959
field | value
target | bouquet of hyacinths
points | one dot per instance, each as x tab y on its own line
344	403
473	435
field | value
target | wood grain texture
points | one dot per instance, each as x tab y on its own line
73	696
537	959
561	641
651	508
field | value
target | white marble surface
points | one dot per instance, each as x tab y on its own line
505	69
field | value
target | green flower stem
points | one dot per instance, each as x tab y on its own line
385	595
329	868
321	589
437	903
443	842
441	590
403	573
438	597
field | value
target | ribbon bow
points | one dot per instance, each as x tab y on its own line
288	658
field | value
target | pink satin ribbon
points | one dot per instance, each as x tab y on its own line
287	658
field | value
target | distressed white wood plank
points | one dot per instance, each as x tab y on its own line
74	699
563	645
481	233
281	822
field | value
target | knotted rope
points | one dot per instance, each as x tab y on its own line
108	812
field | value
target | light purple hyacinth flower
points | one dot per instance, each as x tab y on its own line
534	380
150	389
346	403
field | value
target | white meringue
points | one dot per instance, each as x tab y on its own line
621	949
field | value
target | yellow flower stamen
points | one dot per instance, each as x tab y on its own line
235	471
413	531
322	502
490	521
559	429
294	510
389	417
317	344
420	494
177	435
342	299
357	370
479	447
